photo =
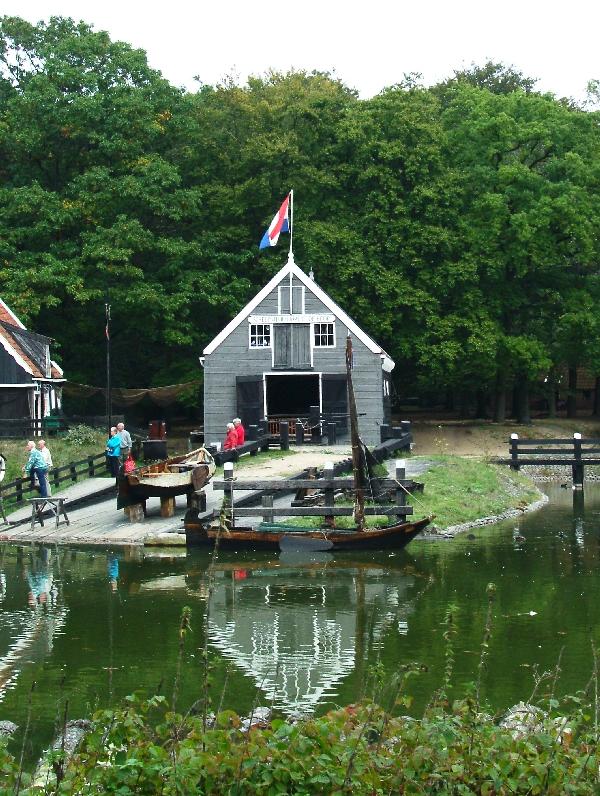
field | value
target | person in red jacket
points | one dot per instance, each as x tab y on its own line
241	433
230	438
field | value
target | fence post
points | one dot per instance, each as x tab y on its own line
267	508
299	432
19	490
228	492
331	433
263	429
514	451
577	464
56	477
73	472
284	435
315	424
400	478
329	493
91	466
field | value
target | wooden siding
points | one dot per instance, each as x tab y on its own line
10	371
233	357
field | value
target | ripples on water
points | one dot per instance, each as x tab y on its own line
93	626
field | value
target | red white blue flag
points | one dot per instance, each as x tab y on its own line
279	224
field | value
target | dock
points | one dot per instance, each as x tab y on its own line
96	521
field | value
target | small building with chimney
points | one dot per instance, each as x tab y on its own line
30	381
284	353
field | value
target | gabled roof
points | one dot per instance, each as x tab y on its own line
28	349
291	268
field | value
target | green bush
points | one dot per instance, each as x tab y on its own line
81	435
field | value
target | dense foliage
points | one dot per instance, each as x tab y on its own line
458	224
144	748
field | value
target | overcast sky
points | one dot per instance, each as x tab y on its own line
368	45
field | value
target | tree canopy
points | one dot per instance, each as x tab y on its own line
458	223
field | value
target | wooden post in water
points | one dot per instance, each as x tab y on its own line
577	464
228	492
514	451
329	493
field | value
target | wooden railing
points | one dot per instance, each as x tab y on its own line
328	484
15	491
574	451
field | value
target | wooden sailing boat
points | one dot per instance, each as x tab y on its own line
360	537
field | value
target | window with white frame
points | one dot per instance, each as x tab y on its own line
260	335
324	335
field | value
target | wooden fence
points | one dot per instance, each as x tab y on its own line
328	484
15	491
575	452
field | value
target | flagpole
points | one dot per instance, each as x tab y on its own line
291	253
108	385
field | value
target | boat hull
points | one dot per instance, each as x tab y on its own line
391	537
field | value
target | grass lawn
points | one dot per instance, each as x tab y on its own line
456	490
459	490
63	450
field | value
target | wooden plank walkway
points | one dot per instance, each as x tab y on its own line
102	524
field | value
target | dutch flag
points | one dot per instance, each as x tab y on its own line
279	224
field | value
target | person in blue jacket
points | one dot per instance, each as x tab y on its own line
113	452
36	467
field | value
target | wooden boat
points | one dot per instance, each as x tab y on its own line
178	475
279	537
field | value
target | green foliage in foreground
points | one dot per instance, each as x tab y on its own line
143	748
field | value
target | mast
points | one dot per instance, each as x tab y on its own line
359	491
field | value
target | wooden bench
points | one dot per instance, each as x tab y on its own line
54	505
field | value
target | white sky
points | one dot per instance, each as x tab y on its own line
368	45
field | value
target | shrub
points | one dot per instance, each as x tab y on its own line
81	435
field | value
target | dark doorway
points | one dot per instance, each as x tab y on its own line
292	396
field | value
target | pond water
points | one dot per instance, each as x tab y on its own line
300	633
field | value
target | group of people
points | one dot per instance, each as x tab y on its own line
235	436
37	465
39	461
118	448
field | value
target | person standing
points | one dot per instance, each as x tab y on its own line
231	438
240	431
113	452
125	441
47	456
35	467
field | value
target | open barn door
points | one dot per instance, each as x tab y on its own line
250	399
335	399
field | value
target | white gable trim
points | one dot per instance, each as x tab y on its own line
12	314
14	354
291	268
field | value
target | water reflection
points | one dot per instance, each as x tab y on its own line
28	633
298	629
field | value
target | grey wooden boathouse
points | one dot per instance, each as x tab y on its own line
285	353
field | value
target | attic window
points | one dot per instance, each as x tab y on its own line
260	335
324	335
